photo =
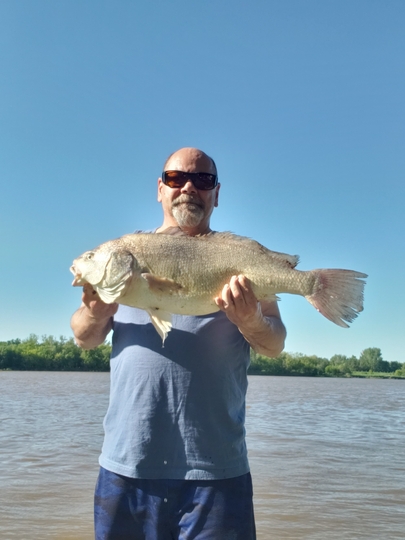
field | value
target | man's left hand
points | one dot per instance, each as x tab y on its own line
239	303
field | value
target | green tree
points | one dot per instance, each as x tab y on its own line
371	360
310	366
353	363
262	365
338	370
10	357
400	372
340	366
68	357
338	359
97	359
394	366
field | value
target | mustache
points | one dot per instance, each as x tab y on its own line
181	199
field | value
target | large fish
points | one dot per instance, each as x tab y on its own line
165	274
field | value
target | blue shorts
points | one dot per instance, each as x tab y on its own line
138	509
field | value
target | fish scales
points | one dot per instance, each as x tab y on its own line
166	274
203	265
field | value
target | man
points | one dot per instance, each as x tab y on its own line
174	460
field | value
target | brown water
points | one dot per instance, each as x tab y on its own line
327	456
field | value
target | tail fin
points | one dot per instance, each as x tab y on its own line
338	294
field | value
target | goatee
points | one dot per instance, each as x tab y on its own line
188	211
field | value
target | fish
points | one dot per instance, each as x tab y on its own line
166	274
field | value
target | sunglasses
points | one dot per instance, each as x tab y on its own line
201	180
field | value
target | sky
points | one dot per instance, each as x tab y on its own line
301	104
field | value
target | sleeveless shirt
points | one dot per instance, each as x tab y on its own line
176	411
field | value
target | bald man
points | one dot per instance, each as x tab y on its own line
174	460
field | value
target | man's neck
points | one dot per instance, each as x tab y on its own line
189	231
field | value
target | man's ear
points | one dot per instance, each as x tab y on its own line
217	195
160	184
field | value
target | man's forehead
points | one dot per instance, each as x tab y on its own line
190	158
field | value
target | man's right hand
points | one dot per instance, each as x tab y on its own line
98	309
92	322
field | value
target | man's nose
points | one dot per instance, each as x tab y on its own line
189	187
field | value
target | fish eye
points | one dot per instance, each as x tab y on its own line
89	256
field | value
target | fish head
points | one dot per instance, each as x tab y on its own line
89	267
102	268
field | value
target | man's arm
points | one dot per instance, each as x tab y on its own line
259	322
92	322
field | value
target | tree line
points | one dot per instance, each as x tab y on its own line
50	354
370	361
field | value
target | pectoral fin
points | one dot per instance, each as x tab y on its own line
111	294
159	285
162	321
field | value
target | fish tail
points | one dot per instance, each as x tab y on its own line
338	294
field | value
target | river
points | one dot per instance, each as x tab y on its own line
327	456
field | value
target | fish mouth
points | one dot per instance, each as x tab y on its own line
78	277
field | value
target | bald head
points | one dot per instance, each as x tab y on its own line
200	160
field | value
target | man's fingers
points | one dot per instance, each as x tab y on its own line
227	296
88	290
235	289
236	295
248	293
245	283
240	288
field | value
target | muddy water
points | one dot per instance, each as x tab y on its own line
327	456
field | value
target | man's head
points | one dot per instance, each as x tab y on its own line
189	206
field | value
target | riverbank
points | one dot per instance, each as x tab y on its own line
50	354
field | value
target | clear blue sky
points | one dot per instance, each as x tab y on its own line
301	104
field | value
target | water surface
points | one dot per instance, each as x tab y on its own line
327	456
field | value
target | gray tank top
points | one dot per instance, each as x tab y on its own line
179	411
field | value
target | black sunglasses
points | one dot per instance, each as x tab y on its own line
201	180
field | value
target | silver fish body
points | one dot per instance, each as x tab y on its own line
165	274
